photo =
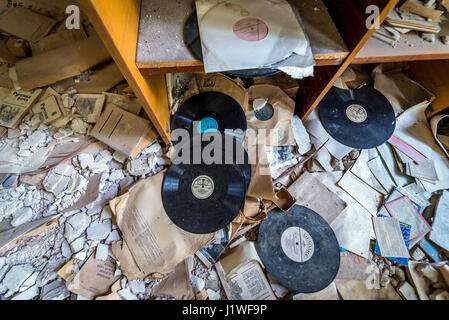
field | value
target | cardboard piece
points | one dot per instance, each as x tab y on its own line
130	104
26	24
93	279
156	245
124	131
16	105
61	63
176	285
48	110
113	295
90	106
358	290
311	193
277	131
57	40
5	55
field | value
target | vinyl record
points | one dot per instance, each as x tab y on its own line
192	39
362	118
205	197
209	112
299	249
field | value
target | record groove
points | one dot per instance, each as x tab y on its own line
361	119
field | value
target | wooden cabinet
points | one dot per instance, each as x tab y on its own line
337	30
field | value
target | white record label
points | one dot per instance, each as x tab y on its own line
356	113
297	244
203	187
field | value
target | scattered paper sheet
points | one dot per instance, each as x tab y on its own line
369	198
412	128
434	123
248	282
381	173
156	244
330	293
353	227
358	290
440	225
390	239
311	193
425	170
363	172
315	128
93	279
387	155
404	210
177	284
353	267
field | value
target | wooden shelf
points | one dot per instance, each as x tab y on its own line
411	47
161	47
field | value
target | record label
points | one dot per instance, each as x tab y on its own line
203	187
356	113
250	29
297	244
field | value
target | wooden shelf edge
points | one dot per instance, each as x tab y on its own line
421	57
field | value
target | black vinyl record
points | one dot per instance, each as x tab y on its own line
203	197
362	118
299	249
193	41
209	112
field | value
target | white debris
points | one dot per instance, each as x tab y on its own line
16	276
2	262
76	225
35	140
24	153
21	216
65	249
116	175
113	236
302	138
62	134
213	295
98	230
119	157
78	244
55	291
197	283
127	295
28	294
31	281
85	159
80	255
137	286
102	252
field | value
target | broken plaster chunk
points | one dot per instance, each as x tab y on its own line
113	236
79	126
98	230
98	167
197	283
85	159
16	276
28	294
127	295
55	290
78	244
213	295
80	255
137	286
21	216
102	252
78	223
65	249
116	175
34	141
24	153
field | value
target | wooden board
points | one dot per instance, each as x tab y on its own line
117	23
434	76
354	32
161	48
410	48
